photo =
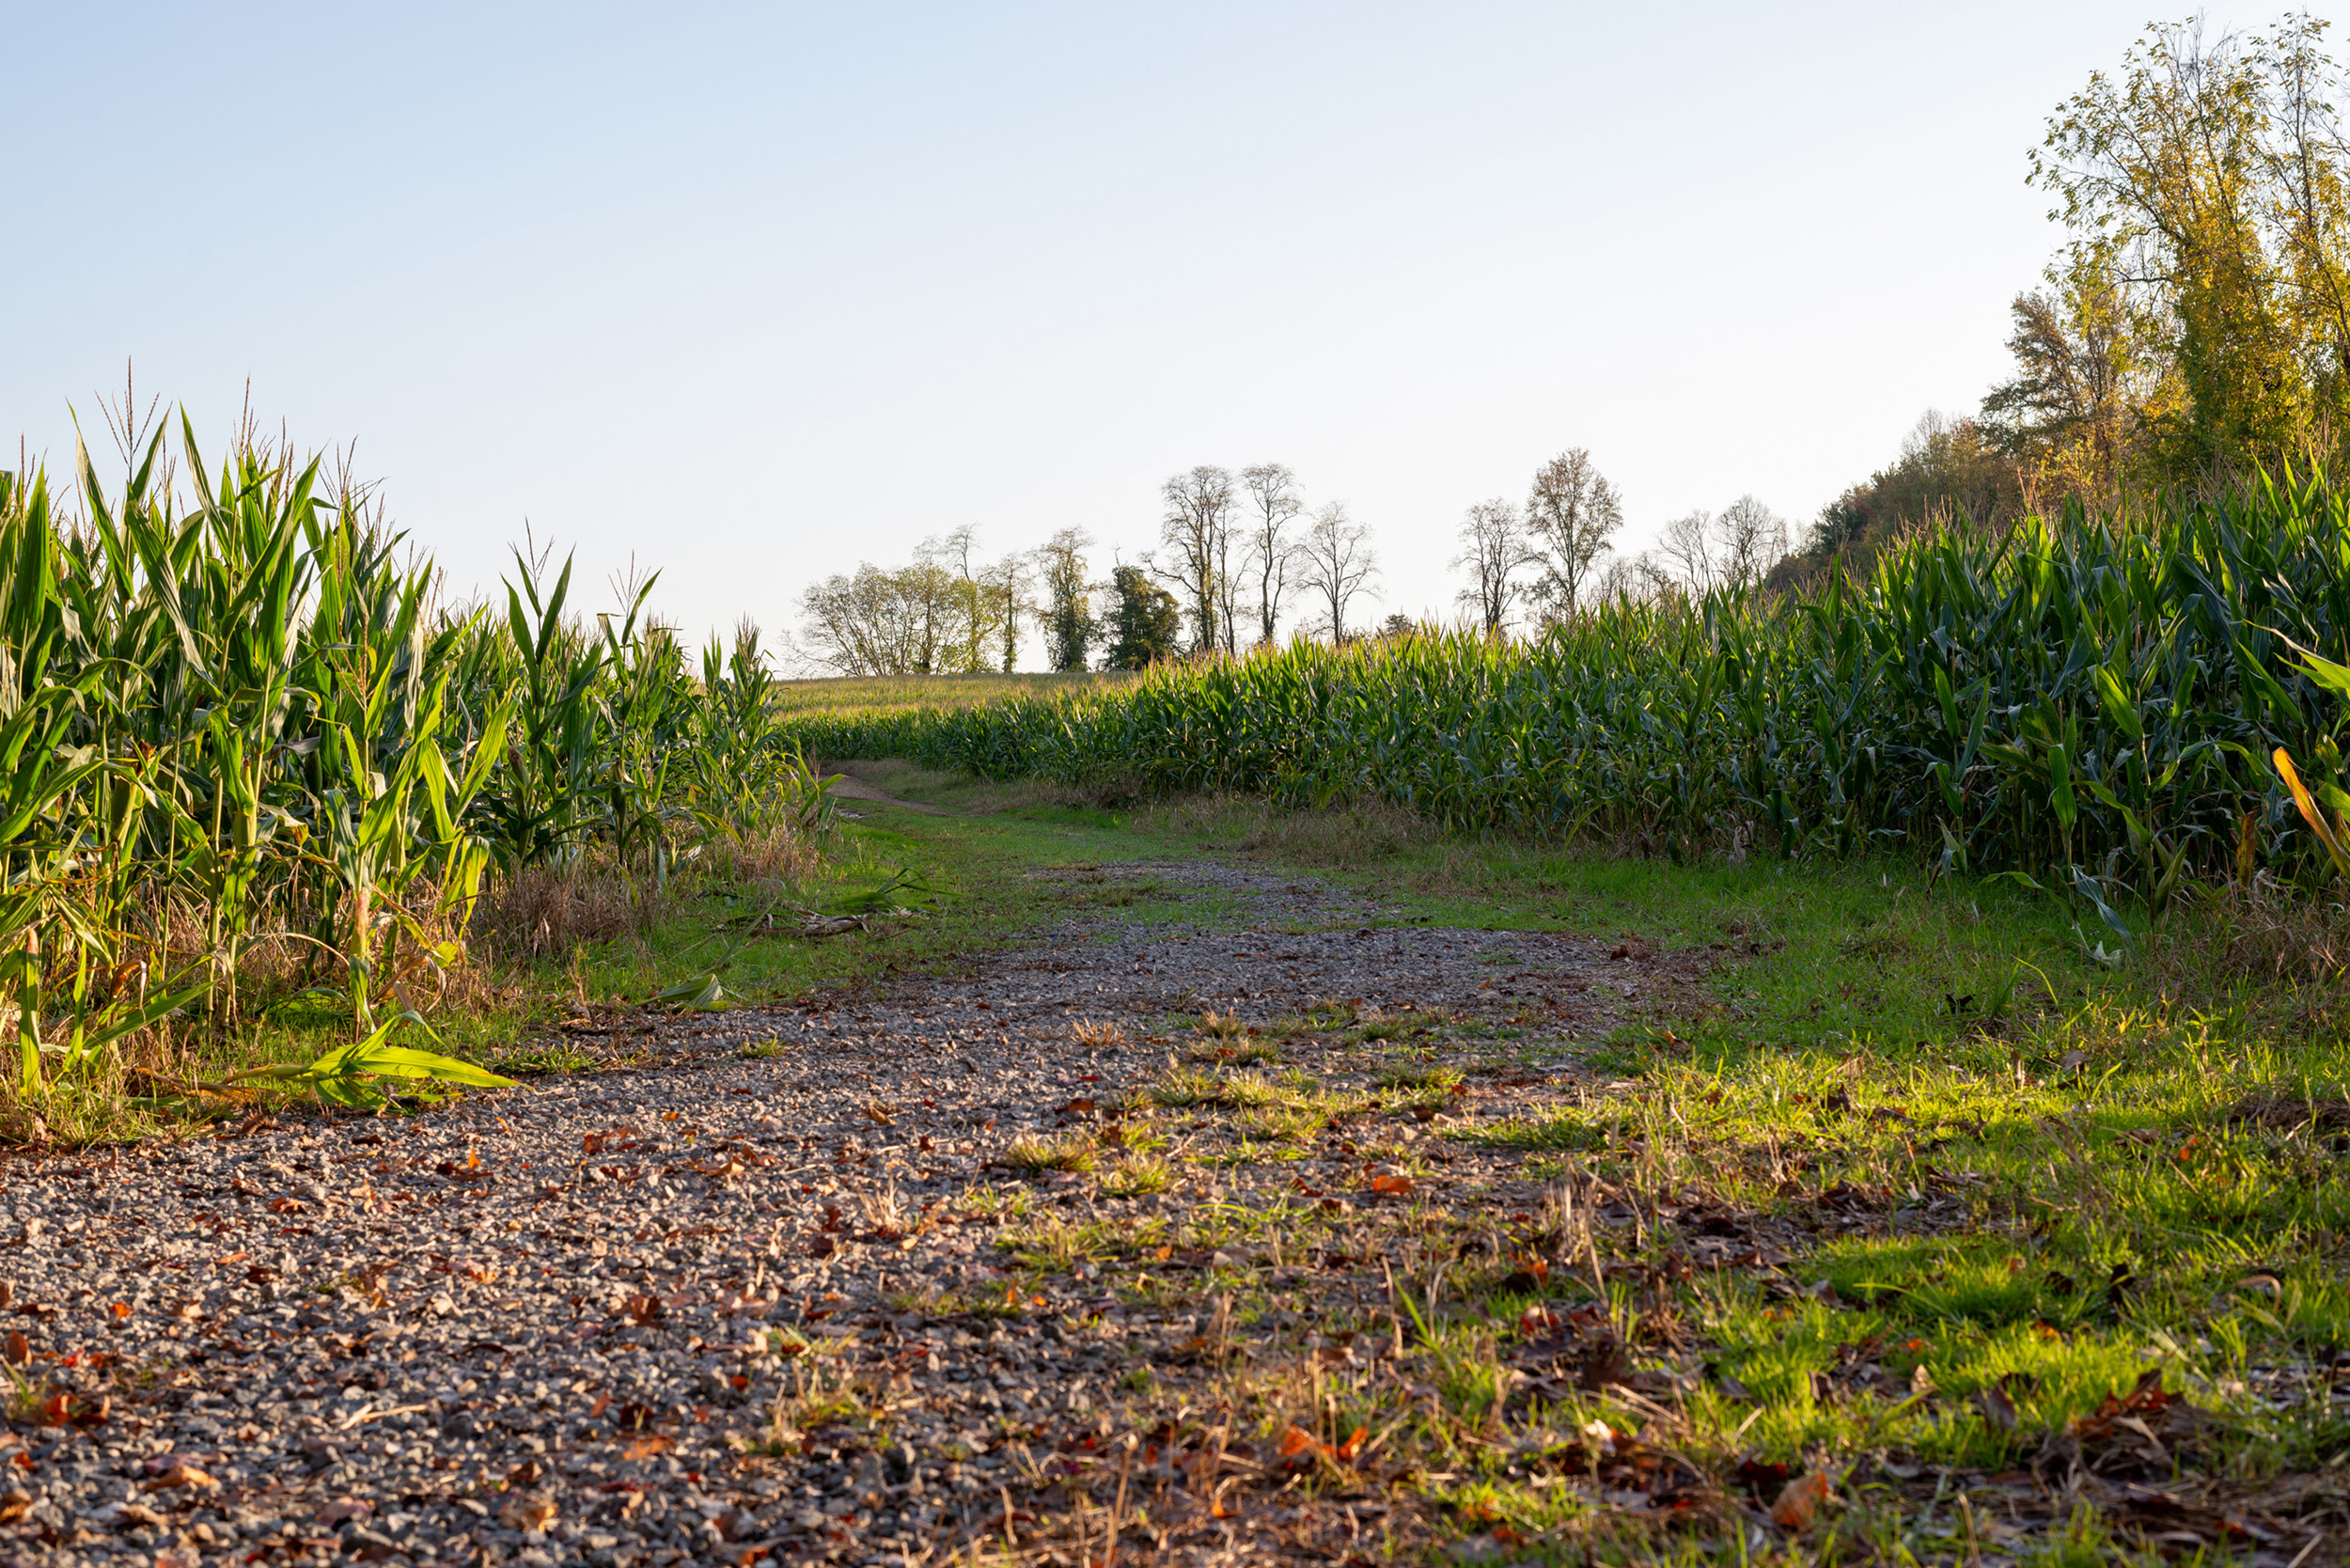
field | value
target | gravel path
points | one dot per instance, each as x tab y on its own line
752	1296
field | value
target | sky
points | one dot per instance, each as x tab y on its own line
750	294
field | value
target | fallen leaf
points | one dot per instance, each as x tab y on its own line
183	1475
1999	1409
1392	1186
645	1448
528	1512
1799	1501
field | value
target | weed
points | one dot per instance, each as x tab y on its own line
1033	1153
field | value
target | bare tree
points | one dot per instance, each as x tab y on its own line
1645	579
1572	511
1337	560
1687	548
1197	534
1494	548
1750	540
1273	490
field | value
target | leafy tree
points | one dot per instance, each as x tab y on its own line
882	622
1948	469
2215	176
1145	622
1573	512
1070	628
2090	383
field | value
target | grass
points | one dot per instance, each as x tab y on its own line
847	695
1821	1206
1884	1180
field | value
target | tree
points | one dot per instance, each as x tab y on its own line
2089	385
2215	177
880	622
1572	511
1273	491
1750	538
1494	548
1070	628
1337	560
984	613
1145	622
1197	534
1948	470
1686	549
1005	591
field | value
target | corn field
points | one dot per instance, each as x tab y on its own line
245	754
2089	701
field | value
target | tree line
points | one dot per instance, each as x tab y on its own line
1237	552
2194	326
1240	556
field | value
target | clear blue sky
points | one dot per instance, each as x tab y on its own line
754	292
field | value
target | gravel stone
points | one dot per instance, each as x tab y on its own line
554	1323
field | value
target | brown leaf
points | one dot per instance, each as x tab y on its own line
645	1448
20	1349
879	1114
1999	1409
1392	1186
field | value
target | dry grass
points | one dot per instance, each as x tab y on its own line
544	910
1095	1035
2272	950
2286	1111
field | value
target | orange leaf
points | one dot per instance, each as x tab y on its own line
1398	1187
120	1308
57	1409
1297	1440
1353	1446
645	1448
1798	1500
